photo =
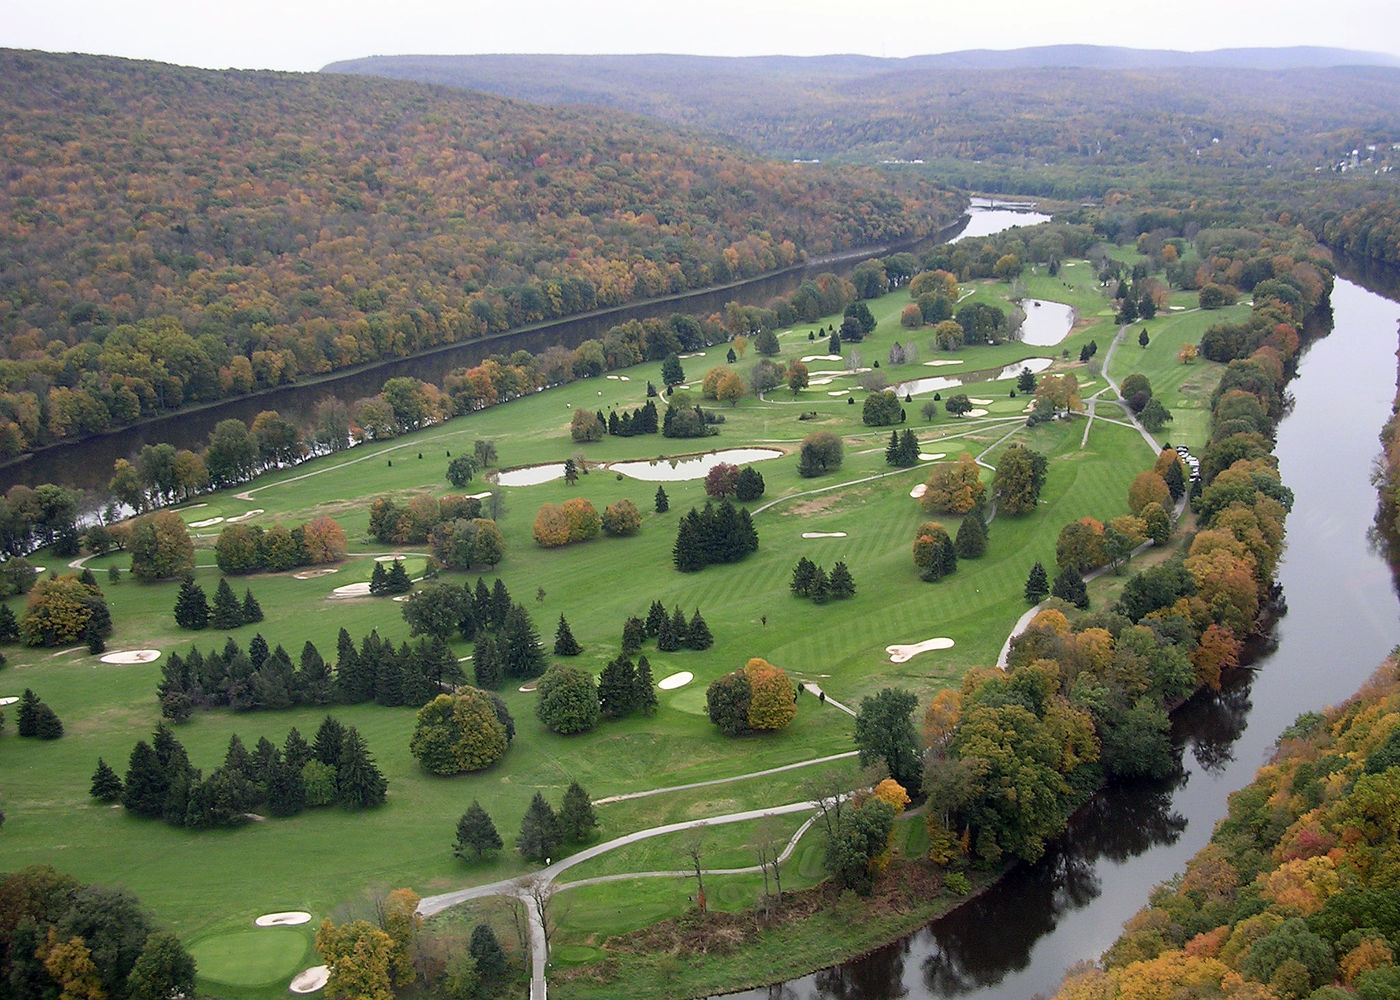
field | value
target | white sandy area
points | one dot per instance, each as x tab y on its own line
980	402
529	687
919	490
823	534
479	496
945	361
676	680
391	557
619	378
132	656
838	392
902	654
978	412
932	456
401	597
8	701
352	590
819	381
286	918
39	569
311	980
243	517
311	574
206	523
697	354
821	357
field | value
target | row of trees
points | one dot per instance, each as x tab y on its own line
161	783
251	548
34	718
577	520
811	580
671	631
543	829
193	611
758	698
713	535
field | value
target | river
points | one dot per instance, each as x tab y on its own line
1017	940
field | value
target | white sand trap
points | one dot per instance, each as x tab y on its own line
132	656
676	680
697	354
823	534
919	490
821	357
391	557
527	688
479	496
286	918
311	980
8	701
208	522
619	378
243	517
838	392
980	402
944	361
401	597
977	412
818	381
39	569
931	456
902	654
311	574
352	590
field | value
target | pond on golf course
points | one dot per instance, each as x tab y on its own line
671	470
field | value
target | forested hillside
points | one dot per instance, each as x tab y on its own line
170	235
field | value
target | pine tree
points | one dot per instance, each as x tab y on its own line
971	540
908	448
617	687
1176	482
358	782
564	643
252	610
106	785
521	653
486	663
481	605
9	626
820	591
27	713
577	820
672	633
539	831
688	554
656	614
697	634
227	613
842	584
295	750
46	723
500	604
1069	586
286	789
1037	585
258	651
146	784
191	606
644	696
328	741
634	634
663	503
892	453
803	574
396	581
378	580
476	835
486	951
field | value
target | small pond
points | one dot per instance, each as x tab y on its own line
669	470
530	475
1047	323
939	383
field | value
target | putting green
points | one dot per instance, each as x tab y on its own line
256	957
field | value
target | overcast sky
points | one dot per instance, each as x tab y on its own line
307	34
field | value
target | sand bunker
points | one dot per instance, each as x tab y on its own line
980	402
8	701
527	688
132	656
243	517
39	569
208	522
819	381
619	378
932	456
919	490
401	597
697	354
313	573
838	392
391	557
821	357
284	919
944	361
479	496
901	654
352	590
979	412
675	680
311	980
823	534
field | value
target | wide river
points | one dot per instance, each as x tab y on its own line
1018	940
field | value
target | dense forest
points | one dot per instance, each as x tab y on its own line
171	236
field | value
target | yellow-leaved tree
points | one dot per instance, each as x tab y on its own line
772	698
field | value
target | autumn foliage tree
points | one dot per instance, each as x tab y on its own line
954	487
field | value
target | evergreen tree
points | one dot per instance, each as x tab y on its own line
396	580
476	835
634	634
577	820
295	750
191	606
892	452
227	613
842	584
330	737
27	715
106	785
971	540
354	676
1069	586
378	580
252	610
237	759
46	723
656	615
1025	382
663	503
688	553
617	687
146	783
9	626
749	486
564	643
258	651
486	951
803	575
1037	585
672	633
286	788
908	448
820	591
644	692
486	663
313	685
358	782
697	634
1176	482
500	604
539	831
521	653
481	605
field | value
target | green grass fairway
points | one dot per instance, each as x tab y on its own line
262	956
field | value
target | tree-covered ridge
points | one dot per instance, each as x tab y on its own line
172	235
1295	896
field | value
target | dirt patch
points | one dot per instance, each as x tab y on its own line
817	504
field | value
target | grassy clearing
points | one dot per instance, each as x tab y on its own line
325	861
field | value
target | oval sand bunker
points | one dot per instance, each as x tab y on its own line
132	656
823	534
676	680
286	918
311	980
902	654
